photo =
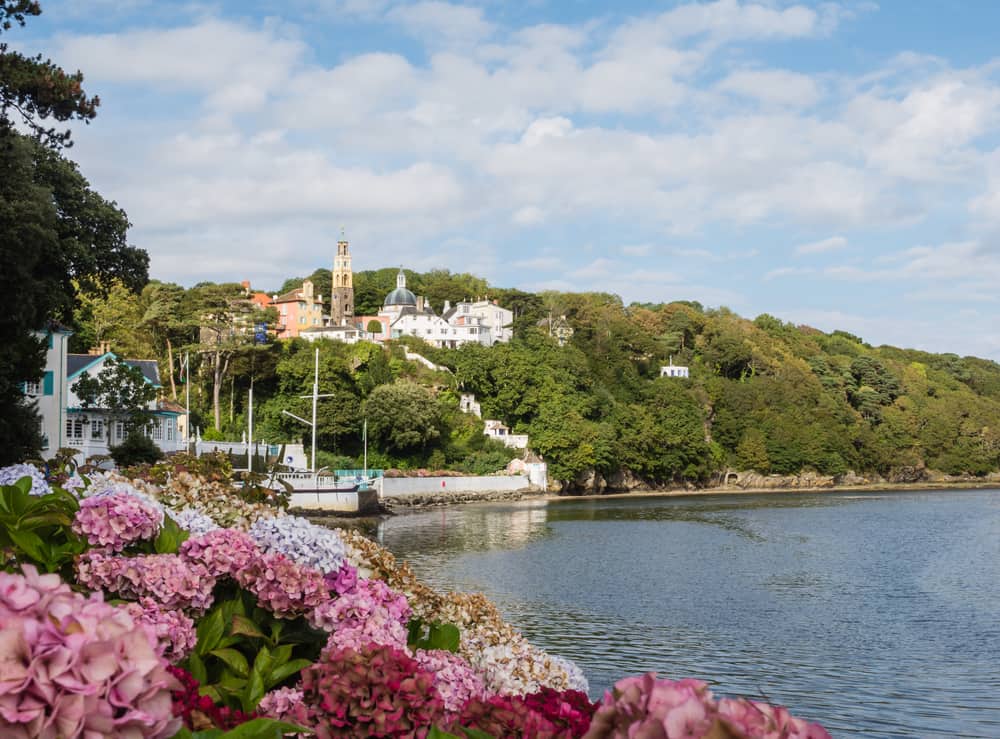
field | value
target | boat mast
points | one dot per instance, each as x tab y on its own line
315	398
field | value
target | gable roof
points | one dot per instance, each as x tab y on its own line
78	363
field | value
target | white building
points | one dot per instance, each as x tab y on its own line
93	430
49	392
347	334
673	370
467	404
497	430
482	312
408	315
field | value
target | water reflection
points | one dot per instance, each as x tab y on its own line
876	614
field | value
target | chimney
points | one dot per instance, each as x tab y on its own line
246	285
447	306
420	304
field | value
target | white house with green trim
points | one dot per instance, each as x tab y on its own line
66	424
49	391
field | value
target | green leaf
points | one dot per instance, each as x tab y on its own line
254	691
475	733
414	631
262	663
282	654
231	683
170	538
264	728
210	631
234	659
245	626
436	733
444	636
207	734
286	670
29	543
197	668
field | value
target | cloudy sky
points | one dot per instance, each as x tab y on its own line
833	163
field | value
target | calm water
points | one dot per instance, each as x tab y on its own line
875	614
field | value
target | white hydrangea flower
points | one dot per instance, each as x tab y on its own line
574	675
194	521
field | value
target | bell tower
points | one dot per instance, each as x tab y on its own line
342	285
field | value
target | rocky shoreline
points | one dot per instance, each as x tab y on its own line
738	484
592	483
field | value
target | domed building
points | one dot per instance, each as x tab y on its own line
399	298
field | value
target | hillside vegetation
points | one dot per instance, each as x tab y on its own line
763	395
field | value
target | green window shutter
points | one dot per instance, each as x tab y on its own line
47	384
50	339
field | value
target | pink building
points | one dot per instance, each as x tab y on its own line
298	310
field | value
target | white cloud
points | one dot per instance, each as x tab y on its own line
834	243
529	215
773	86
233	65
731	19
788	272
542	264
437	20
637	250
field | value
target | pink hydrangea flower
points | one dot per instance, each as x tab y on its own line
373	613
280	703
283	587
72	666
647	706
222	551
174	631
169	579
454	680
762	721
344	580
116	520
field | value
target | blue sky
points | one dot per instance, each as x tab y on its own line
835	164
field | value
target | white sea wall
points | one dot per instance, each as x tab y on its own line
402	487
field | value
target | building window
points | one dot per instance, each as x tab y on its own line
74	428
302	319
119	430
157	430
31	388
170	430
97	429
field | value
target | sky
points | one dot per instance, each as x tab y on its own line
835	164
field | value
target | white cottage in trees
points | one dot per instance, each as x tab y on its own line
65	423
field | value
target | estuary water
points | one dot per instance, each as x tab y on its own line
876	614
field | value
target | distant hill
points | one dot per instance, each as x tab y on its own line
762	394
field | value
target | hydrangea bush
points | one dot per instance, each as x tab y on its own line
285	587
169	579
73	666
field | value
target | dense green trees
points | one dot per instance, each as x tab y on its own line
54	229
763	395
